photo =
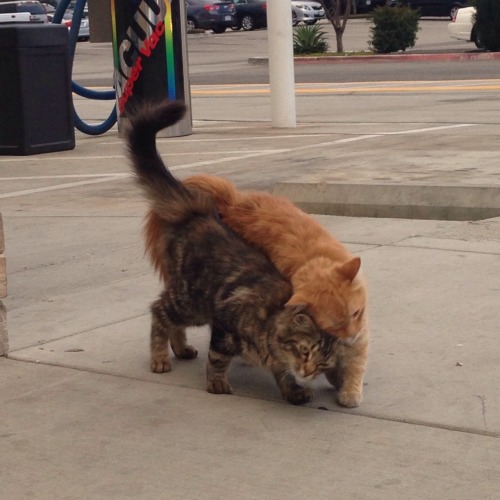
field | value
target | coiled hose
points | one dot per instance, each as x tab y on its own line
78	89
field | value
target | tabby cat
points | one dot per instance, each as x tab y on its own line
212	276
324	275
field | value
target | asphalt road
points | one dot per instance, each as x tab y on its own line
224	59
352	72
232	65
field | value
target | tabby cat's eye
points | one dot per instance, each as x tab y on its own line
356	313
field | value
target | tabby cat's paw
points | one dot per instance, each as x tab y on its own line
298	395
349	399
160	364
218	386
188	352
335	378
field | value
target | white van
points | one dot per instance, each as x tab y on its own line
23	11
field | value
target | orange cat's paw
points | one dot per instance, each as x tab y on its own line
218	386
349	399
160	364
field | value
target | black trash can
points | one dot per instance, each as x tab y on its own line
36	114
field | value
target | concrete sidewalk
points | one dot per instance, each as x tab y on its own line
81	415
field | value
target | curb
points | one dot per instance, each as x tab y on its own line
410	201
461	56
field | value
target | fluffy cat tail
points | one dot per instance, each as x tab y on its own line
170	199
221	190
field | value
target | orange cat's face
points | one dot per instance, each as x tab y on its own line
336	299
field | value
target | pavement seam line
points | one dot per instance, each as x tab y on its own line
87	330
463	430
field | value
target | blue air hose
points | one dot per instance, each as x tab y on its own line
78	89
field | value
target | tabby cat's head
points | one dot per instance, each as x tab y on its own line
334	295
303	347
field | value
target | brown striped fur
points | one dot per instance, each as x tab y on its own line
325	276
211	276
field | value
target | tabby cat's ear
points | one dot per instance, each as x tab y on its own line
302	321
350	269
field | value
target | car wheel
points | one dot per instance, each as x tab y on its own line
191	24
219	29
477	41
294	19
248	23
310	23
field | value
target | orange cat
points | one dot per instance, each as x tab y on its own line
324	275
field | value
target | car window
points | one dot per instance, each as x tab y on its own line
33	8
7	8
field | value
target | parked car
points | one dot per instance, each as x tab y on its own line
250	14
432	7
36	11
363	6
84	31
307	12
14	17
462	26
210	14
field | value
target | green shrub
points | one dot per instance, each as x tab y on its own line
309	40
394	28
487	25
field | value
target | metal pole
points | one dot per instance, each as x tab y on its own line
281	70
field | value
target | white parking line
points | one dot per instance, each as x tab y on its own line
60	176
222	139
117	176
61	158
429	129
61	186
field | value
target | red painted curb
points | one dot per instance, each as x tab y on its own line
462	56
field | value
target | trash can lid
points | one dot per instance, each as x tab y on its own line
33	35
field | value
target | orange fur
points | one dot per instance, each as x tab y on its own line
324	274
153	234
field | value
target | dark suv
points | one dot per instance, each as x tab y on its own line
432	7
363	6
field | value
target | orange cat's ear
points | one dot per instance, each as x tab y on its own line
350	269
